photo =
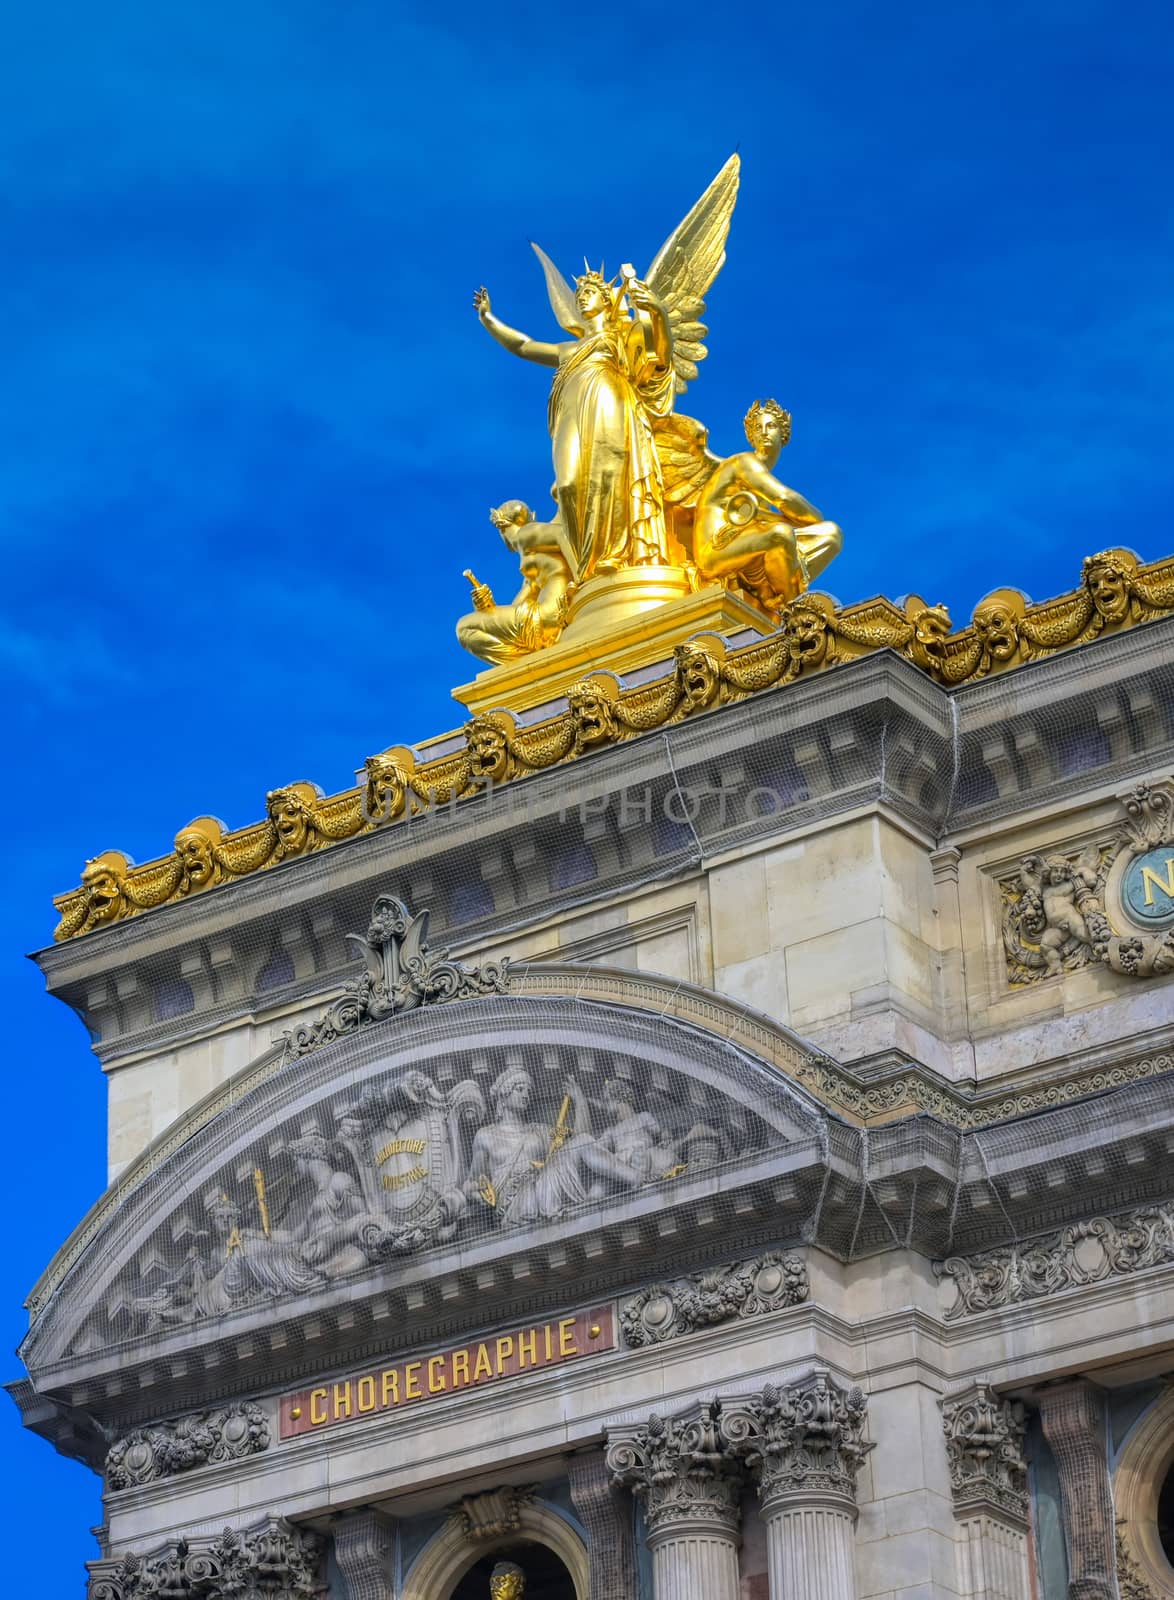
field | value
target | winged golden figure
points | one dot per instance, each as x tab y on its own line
634	345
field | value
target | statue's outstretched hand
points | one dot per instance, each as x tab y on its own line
481	302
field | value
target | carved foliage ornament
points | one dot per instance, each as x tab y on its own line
665	1311
984	1445
272	1561
681	1468
170	1447
1112	904
1117	592
495	1513
1131	1583
805	1438
1085	1253
402	973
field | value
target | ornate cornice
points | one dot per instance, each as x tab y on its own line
681	1468
1074	1257
271	1561
668	1310
804	1439
402	973
984	1446
1117	592
167	1448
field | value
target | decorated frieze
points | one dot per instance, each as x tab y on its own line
1117	592
516	1353
1110	903
984	1446
667	1310
274	1560
1074	1257
166	1448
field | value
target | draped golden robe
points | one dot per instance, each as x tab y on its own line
607	475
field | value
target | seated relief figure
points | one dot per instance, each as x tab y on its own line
536	615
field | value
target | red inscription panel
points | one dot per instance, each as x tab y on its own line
505	1355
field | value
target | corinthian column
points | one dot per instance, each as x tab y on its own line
1073	1417
988	1482
803	1445
691	1490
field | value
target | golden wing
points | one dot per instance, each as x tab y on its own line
560	294
686	461
686	265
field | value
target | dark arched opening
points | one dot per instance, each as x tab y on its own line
546	1576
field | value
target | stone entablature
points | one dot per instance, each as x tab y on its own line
1005	632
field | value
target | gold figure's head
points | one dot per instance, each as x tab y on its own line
590	703
1108	578
509	518
698	674
507	1582
195	846
104	883
487	741
595	295
288	810
996	623
768	427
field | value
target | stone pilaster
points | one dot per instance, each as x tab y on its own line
691	1488
273	1560
611	1551
803	1446
988	1482
1073	1417
364	1543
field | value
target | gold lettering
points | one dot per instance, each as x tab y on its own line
366	1396
412	1381
566	1338
1151	881
437	1382
527	1347
389	1388
505	1349
546	1341
400	1180
460	1368
316	1415
400	1147
482	1366
342	1400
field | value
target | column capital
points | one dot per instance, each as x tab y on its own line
984	1446
681	1467
804	1440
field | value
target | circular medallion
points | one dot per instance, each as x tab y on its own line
1147	889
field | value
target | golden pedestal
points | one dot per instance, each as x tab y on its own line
618	622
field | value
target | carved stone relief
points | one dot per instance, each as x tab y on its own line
682	1469
667	1310
804	1438
1085	1253
495	1513
1131	1582
984	1445
170	1447
1111	903
272	1561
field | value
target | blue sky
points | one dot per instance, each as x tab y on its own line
252	427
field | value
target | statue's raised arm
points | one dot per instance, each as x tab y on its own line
518	344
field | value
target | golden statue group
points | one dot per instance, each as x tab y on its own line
645	511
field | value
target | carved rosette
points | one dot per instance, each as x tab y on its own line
665	1311
682	1470
271	1561
170	1447
803	1440
984	1445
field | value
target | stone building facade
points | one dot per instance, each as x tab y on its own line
728	1161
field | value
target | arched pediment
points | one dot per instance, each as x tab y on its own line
451	1156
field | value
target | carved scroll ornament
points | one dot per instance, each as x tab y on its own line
984	1446
167	1448
666	1311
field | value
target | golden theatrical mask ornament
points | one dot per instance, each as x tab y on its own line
646	513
